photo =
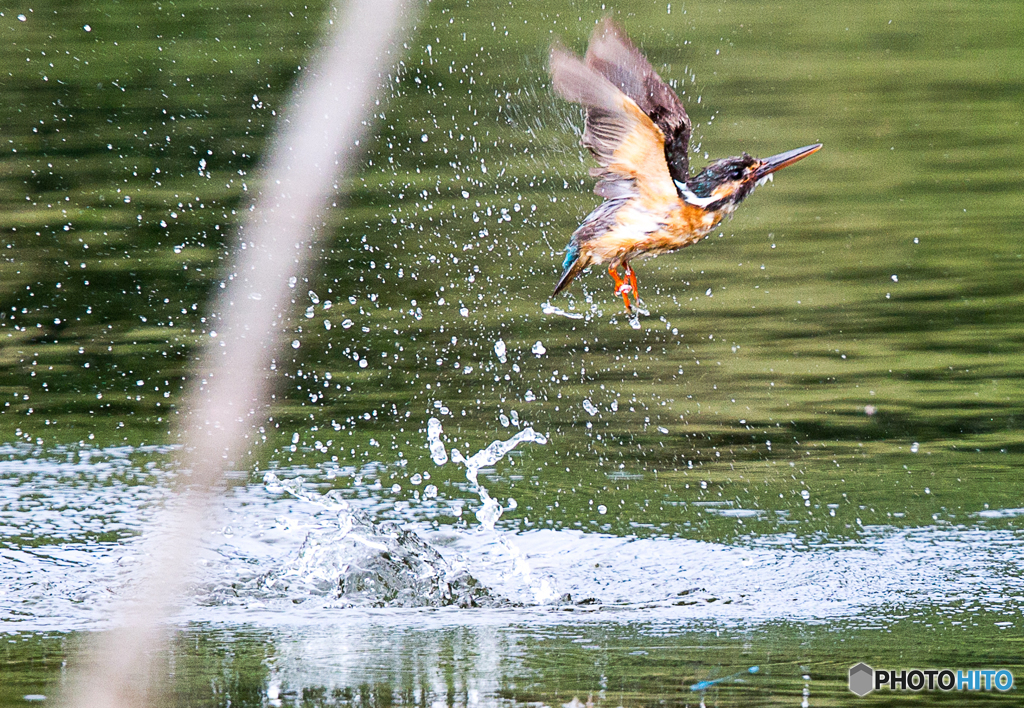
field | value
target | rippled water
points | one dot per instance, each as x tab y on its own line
288	565
805	456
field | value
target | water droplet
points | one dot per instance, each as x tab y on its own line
437	452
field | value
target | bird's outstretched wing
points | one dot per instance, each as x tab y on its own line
628	146
616	58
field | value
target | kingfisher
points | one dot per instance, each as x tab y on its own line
639	133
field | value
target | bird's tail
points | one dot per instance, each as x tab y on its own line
574	264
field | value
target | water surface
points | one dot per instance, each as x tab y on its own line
805	456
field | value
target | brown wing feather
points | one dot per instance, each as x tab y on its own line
629	147
616	58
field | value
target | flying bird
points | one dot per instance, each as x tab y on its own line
639	133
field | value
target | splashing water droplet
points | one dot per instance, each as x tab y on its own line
548	309
491	510
489	513
437	452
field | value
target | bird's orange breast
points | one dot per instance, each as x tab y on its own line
686	224
643	227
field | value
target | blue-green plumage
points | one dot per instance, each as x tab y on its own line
597	222
571	266
572	252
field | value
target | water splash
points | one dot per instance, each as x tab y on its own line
361	564
499	351
491	511
437	451
356	563
548	309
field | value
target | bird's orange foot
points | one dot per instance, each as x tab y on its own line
631	276
625	286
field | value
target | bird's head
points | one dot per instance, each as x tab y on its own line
723	184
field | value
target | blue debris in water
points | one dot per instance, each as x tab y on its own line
701	685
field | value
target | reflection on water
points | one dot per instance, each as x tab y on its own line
803	457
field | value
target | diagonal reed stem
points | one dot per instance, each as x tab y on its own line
313	147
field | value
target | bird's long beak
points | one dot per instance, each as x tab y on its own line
783	159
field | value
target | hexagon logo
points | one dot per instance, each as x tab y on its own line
862	679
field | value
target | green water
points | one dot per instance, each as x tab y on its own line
843	355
